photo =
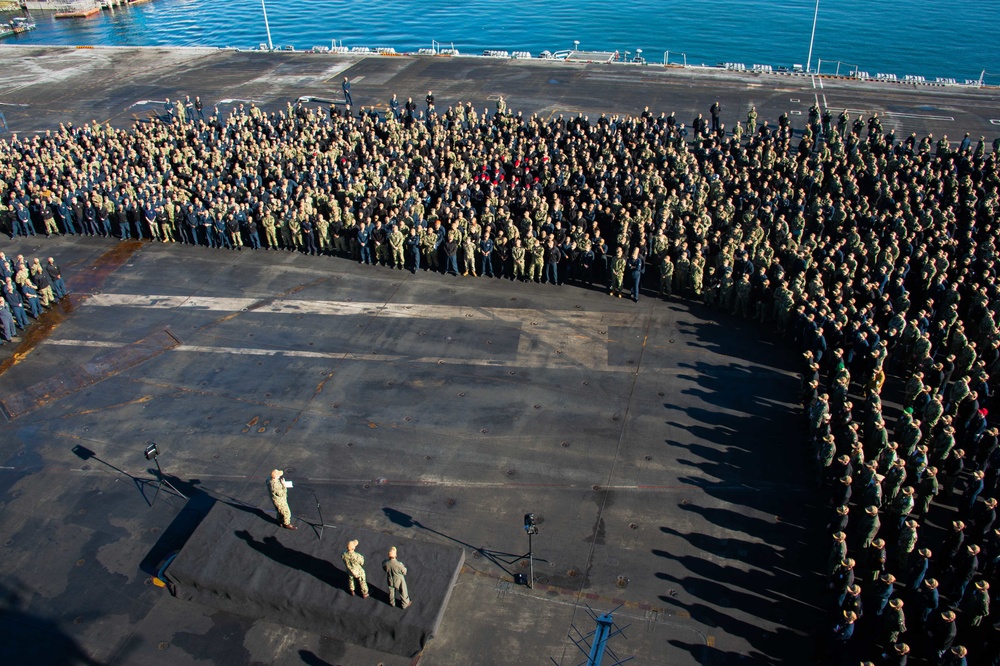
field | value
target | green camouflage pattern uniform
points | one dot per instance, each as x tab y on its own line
469	256
517	254
323	233
355	563
666	275
617	275
697	274
270	232
537	253
427	241
978	606
682	274
279	497
396	244
742	304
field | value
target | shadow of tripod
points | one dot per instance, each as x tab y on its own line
497	557
84	453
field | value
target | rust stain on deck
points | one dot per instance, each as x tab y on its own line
74	379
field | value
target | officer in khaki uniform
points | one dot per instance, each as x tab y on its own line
355	563
270	231
396	241
395	573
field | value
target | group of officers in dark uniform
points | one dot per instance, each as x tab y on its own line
28	288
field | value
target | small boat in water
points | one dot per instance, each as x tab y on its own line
20	24
17	25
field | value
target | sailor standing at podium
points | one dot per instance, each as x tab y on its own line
279	496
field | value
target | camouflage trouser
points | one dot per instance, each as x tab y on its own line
666	283
397	255
726	298
518	270
271	237
781	316
433	261
742	306
324	241
359	576
283	511
760	311
535	271
45	296
696	281
616	282
681	282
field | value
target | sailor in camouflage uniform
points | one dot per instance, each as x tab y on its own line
617	273
355	563
279	497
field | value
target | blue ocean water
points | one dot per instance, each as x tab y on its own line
931	38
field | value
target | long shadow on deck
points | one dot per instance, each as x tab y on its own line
758	580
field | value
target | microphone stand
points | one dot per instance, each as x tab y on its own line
319	527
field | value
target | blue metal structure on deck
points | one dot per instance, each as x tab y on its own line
597	640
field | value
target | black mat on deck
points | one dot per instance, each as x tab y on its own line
239	562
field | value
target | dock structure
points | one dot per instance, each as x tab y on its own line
84	13
63	9
71	8
62	6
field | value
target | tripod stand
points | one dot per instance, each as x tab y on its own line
530	556
152	453
531	529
